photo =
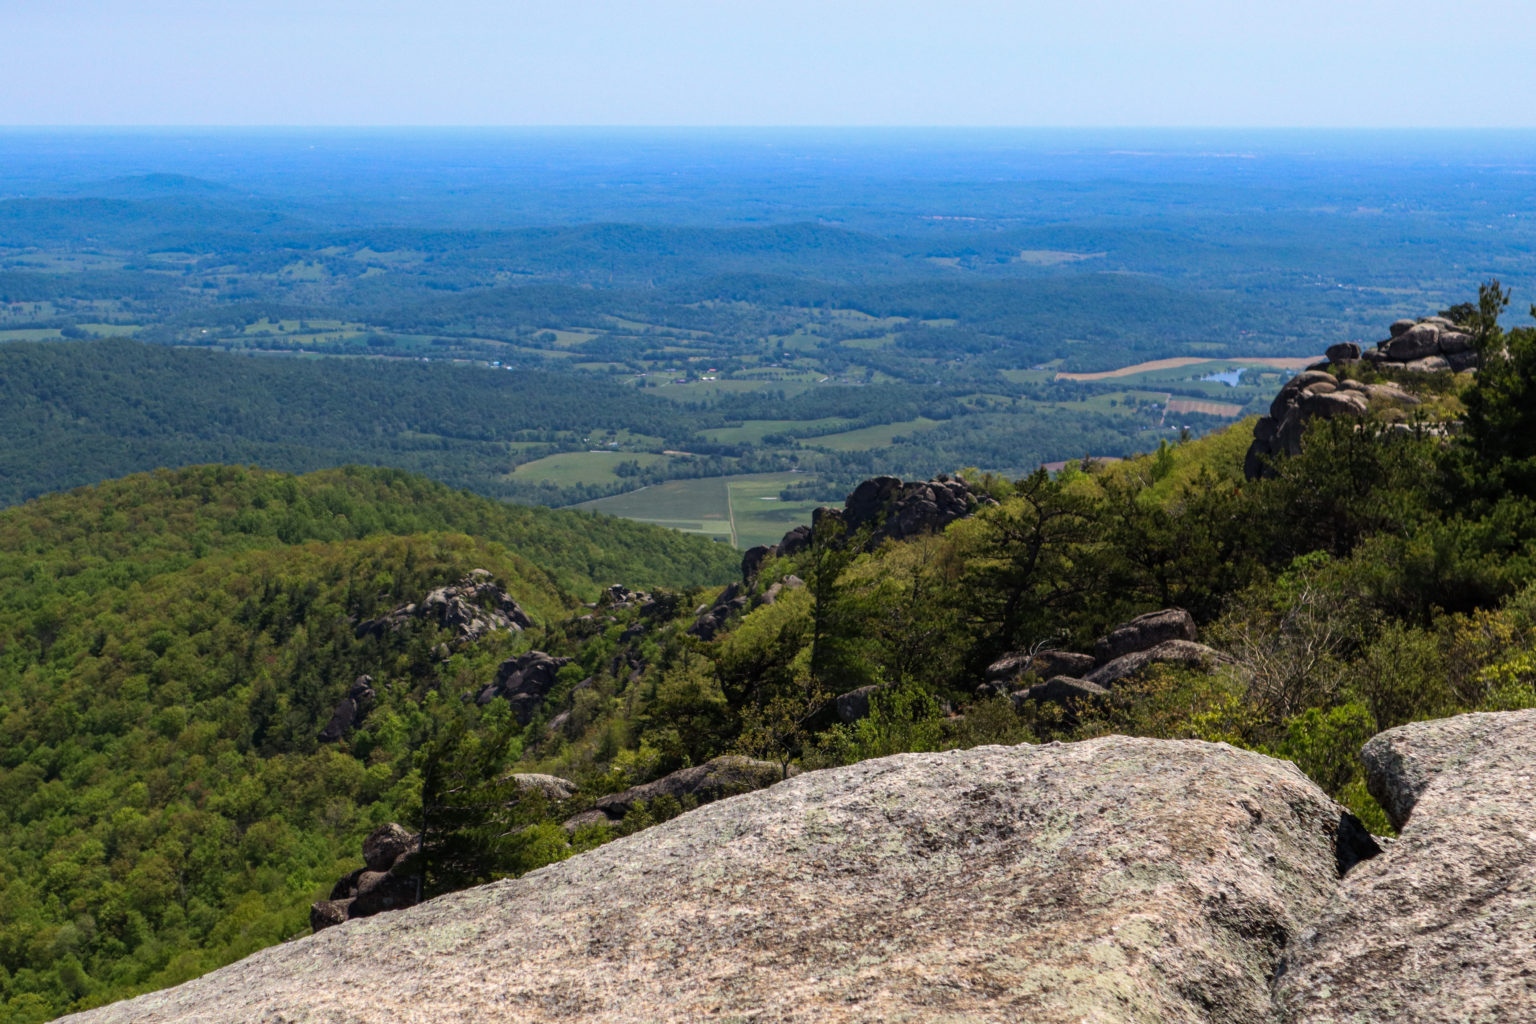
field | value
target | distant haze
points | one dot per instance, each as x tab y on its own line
1321	63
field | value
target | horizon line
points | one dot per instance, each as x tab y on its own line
373	126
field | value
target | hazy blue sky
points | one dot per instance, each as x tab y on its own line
769	62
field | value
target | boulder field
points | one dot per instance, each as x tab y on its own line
1113	880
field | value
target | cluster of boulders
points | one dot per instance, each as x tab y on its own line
887	508
1430	345
736	598
699	784
524	682
472	607
388	879
1160	637
604	612
350	710
1315	394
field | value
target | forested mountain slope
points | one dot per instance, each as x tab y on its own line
171	645
167	803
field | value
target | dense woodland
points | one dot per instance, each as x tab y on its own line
79	412
171	645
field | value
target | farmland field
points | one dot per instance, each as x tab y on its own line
591	467
1209	408
742	510
753	431
1155	365
871	437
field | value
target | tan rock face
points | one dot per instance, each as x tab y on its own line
1441	927
1112	880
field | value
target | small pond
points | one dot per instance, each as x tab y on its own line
1231	378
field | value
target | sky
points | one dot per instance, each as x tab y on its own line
1252	63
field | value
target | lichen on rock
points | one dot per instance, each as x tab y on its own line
1116	879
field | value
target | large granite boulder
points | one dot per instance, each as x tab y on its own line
524	682
1042	664
727	775
1062	690
854	705
349	710
1144	631
1309	395
753	560
388	879
1443	926
882	507
1169	652
385	845
551	787
1416	342
1113	880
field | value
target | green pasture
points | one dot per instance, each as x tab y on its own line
27	310
866	438
111	330
1121	401
742	510
864	319
591	467
303	270
800	341
1029	376
753	431
883	341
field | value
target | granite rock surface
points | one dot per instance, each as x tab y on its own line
1442	926
1116	879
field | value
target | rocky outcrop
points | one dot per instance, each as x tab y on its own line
886	508
710	619
619	598
1040	664
349	711
1061	690
896	510
1315	394
1430	345
854	705
1143	632
1433	343
704	783
390	876
472	607
1113	880
385	846
388	880
552	787
1169	652
1165	636
1442	927
524	682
